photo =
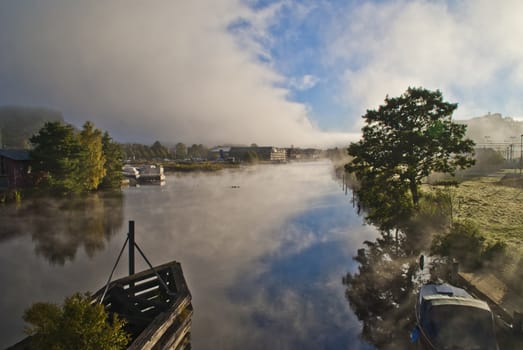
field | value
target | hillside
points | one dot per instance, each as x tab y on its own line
18	124
493	128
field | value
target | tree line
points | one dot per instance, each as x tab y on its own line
157	151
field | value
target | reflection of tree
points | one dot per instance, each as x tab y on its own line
59	226
381	293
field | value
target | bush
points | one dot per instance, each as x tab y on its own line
78	324
463	242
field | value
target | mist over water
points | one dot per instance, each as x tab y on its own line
263	251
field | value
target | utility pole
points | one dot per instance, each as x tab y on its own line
521	154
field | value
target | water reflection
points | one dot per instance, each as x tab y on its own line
58	227
382	293
262	250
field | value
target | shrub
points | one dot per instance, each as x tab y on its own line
78	324
463	242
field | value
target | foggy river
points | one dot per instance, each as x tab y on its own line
263	250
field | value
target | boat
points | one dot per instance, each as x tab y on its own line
130	172
449	318
155	304
151	173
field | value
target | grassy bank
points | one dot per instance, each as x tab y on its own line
494	207
497	209
197	166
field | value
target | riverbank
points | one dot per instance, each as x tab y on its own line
197	166
491	207
495	208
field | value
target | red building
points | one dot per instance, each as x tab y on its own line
15	169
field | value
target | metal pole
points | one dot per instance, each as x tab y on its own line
521	155
131	247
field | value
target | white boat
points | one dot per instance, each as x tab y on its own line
151	173
130	172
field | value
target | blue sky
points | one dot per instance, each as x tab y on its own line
278	72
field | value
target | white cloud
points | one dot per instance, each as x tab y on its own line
471	51
165	70
306	82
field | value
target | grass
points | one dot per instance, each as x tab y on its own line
496	209
495	205
197	166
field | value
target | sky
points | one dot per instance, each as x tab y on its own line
270	72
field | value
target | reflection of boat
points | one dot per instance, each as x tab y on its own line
151	173
449	318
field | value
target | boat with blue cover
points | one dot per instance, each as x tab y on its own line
449	318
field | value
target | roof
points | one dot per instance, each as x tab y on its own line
446	294
437	300
15	154
443	289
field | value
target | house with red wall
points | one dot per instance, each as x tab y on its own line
15	169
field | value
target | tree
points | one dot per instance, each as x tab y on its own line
409	137
73	162
180	150
113	163
93	160
78	324
57	154
159	151
197	151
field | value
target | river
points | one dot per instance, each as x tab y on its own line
263	250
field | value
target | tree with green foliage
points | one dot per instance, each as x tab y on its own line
197	151
159	150
181	150
78	324
113	163
67	161
409	137
57	155
93	162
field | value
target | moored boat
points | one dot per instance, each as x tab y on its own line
151	173
449	318
155	304
130	172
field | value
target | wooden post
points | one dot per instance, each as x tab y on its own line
518	322
131	247
455	271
